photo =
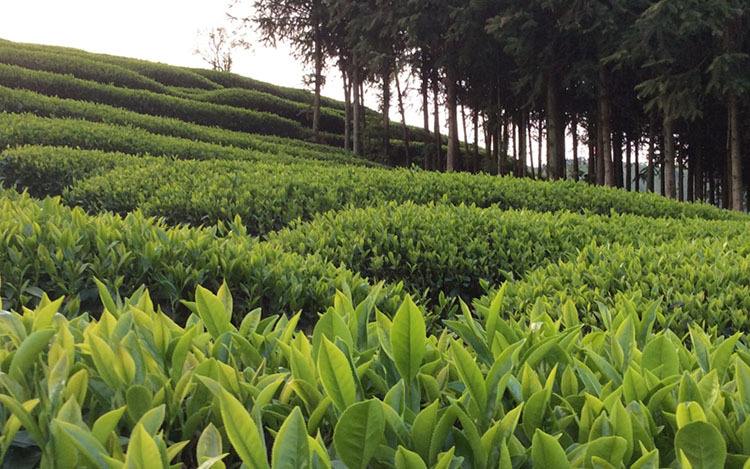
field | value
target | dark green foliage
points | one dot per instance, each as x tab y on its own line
232	80
27	129
146	102
22	101
330	120
78	67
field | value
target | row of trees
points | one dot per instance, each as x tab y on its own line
664	78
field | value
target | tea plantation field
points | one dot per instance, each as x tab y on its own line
187	281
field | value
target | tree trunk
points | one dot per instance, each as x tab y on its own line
316	96
451	158
386	144
574	132
475	118
680	179
487	137
605	119
426	117
514	161
591	176
357	111
638	165
669	157
735	158
617	158
466	135
363	114
628	165
503	153
555	130
692	177
500	137
522	150
539	148
651	155
436	115
531	147
403	120
347	109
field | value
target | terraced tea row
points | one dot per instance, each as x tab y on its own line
22	101
58	249
46	246
27	129
147	102
456	249
268	196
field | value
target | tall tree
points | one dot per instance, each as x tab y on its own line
730	79
303	24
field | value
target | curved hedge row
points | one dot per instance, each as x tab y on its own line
44	245
23	101
78	67
147	102
321	188
455	249
168	75
330	120
27	129
232	80
703	282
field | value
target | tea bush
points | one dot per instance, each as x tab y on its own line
703	281
78	67
46	246
330	120
23	101
365	390
304	190
232	80
147	102
454	249
27	129
167	75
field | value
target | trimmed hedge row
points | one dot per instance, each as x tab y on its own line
78	67
22	101
232	80
330	120
703	282
321	188
456	249
47	246
268	195
147	102
168	75
27	129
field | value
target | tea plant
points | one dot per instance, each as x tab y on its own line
147	102
23	101
79	67
455	249
48	247
135	389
